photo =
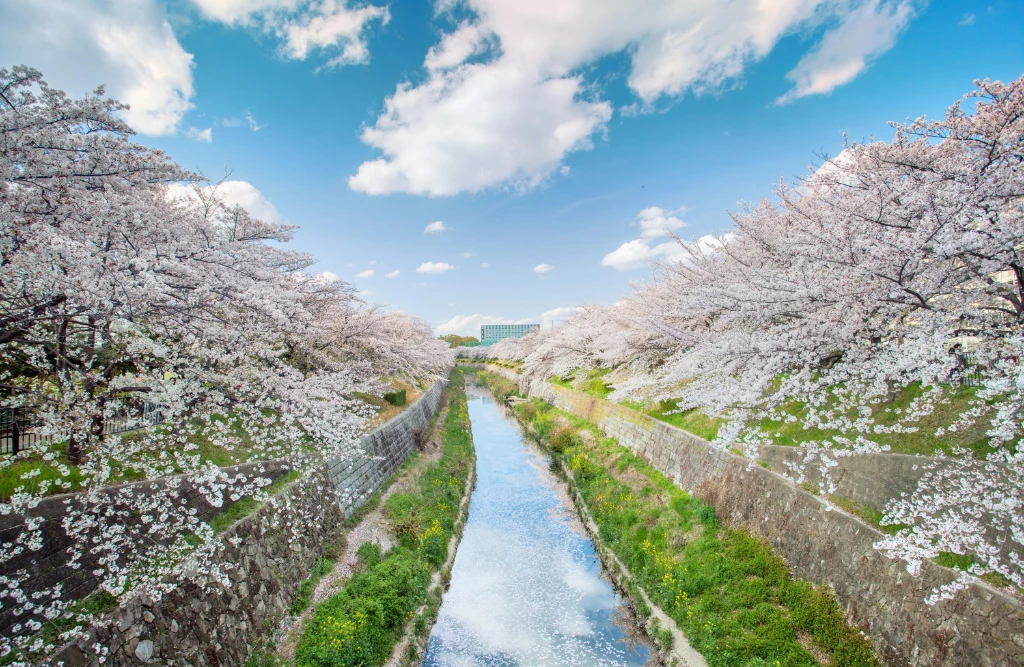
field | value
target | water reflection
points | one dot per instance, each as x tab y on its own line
526	586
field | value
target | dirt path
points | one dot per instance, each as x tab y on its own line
372	528
437	577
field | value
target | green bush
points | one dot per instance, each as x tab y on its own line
360	625
527	411
321	567
396	397
562	439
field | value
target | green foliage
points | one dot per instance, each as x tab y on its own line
368	555
321	567
360	625
957	561
248	447
727	590
694	420
246	506
455	340
562	439
870	516
396	397
527	411
500	387
886	412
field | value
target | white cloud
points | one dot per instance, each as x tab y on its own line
467	254
630	255
304	27
435	228
128	45
231	193
638	252
968	19
469	325
245	119
249	118
392	274
434	267
542	268
368	273
511	79
485	265
655	222
196	134
512	129
327	276
866	32
551	317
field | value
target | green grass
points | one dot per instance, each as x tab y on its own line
500	387
320	569
886	413
32	460
731	595
249	505
591	383
966	561
79	614
245	447
361	624
693	420
870	516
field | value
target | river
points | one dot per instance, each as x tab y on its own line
526	585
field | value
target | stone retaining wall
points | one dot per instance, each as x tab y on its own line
381	451
52	565
264	558
981	626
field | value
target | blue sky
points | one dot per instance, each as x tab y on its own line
540	133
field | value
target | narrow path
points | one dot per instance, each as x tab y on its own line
371	528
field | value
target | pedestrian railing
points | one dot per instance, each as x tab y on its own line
20	429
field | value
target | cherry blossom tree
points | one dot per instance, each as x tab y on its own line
115	294
894	265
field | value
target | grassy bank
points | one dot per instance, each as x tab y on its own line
728	592
937	432
361	624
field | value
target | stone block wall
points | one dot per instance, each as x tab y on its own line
264	557
980	626
381	451
51	565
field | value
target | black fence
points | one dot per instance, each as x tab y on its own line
967	372
20	429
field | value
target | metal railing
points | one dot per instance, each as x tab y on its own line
20	429
967	372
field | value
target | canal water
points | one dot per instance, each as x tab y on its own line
526	585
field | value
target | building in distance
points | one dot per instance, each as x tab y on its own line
492	333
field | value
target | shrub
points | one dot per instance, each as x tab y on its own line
396	397
359	625
562	439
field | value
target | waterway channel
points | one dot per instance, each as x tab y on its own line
527	587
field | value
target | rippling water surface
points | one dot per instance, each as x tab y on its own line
526	586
